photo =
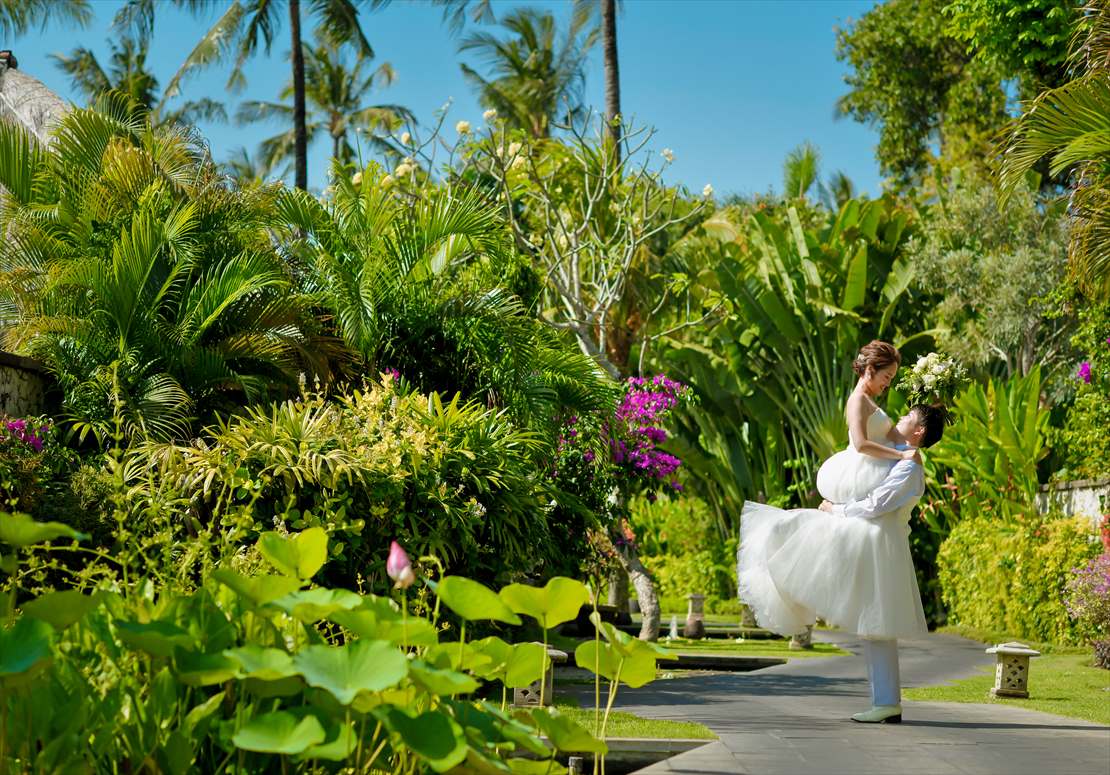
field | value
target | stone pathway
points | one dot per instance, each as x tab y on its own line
793	719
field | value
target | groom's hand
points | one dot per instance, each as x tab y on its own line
826	506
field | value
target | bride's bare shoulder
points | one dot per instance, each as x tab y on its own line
859	405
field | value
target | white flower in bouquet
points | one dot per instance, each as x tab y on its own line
933	377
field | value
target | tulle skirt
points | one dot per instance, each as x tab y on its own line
794	566
849	475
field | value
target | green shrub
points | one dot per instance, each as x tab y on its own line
447	478
1011	577
680	545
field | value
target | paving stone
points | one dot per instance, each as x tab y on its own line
795	718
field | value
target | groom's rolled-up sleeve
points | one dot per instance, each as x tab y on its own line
901	486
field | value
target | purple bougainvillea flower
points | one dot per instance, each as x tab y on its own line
1084	372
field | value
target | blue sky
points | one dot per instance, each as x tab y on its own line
730	85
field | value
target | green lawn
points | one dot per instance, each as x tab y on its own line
628	725
992	637
750	648
1064	684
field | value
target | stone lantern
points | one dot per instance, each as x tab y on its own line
529	696
1011	672
695	618
802	640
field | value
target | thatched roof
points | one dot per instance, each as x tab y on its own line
25	100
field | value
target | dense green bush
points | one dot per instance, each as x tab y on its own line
680	544
452	479
1011	576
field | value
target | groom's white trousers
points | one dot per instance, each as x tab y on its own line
882	671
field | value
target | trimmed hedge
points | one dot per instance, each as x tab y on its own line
1011	577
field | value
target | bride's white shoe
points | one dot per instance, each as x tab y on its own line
880	714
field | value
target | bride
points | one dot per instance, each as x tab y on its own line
856	573
853	472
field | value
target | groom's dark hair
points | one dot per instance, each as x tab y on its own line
934	417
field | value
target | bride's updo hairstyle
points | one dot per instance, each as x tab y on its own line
934	417
877	355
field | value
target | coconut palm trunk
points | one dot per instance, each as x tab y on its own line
612	72
300	141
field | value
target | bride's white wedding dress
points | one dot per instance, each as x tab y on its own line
849	475
856	573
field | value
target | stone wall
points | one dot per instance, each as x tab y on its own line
23	384
1086	497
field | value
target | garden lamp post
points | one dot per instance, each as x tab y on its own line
1011	671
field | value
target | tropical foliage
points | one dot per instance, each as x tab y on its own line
993	267
261	387
147	285
1067	127
317	674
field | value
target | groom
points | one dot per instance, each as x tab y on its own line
894	498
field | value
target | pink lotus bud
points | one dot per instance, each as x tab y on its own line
399	568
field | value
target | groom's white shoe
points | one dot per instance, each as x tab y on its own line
880	714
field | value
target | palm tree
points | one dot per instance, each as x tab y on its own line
127	73
334	93
534	79
799	171
1070	125
246	169
19	16
151	290
245	24
612	73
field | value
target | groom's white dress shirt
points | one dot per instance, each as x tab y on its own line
900	491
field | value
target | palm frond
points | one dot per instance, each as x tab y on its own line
216	44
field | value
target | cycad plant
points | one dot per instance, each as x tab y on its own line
1071	126
149	288
424	288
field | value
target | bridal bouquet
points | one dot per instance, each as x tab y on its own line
934	377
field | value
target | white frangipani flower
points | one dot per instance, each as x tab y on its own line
707	191
462	127
668	155
406	138
490	115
